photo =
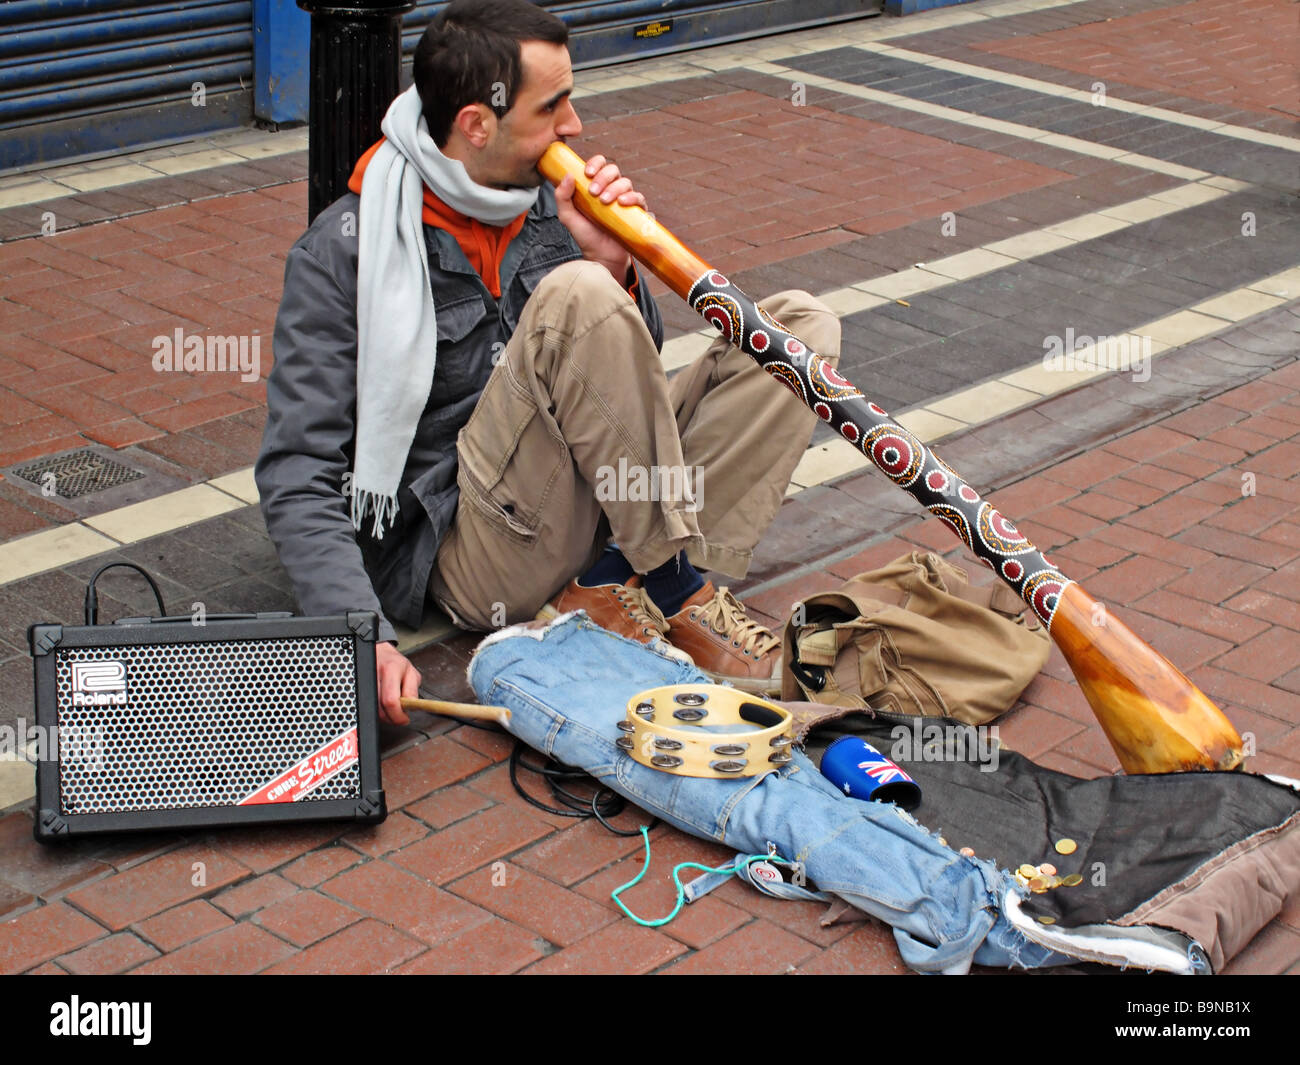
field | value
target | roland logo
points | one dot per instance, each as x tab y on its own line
99	683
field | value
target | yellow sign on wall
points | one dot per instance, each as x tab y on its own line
655	29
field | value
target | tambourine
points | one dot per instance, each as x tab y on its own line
706	730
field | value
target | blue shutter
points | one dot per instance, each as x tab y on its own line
86	76
609	31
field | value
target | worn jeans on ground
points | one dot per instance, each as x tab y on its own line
568	685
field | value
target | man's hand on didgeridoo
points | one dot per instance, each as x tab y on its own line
398	679
609	185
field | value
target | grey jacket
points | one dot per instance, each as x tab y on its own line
303	470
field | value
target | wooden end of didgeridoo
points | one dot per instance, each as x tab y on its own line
667	258
1156	719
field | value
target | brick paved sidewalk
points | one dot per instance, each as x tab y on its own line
464	877
1174	500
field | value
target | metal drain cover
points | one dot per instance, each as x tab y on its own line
78	474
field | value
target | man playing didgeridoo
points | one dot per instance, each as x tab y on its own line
468	403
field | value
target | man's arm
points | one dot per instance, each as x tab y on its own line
609	184
302	470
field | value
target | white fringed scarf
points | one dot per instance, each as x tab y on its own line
397	329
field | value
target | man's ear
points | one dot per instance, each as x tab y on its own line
476	123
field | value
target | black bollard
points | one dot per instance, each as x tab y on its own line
356	63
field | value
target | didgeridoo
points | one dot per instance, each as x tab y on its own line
1155	718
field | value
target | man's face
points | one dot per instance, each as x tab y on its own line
541	115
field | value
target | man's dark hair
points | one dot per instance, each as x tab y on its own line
470	54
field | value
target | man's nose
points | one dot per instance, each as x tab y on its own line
570	125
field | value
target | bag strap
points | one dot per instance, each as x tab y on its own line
819	643
997	597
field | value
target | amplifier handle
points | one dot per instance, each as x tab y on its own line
175	618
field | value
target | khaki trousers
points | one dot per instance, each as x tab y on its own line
579	435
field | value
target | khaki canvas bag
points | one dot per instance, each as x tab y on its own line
914	638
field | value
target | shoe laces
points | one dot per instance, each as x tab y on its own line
642	609
726	616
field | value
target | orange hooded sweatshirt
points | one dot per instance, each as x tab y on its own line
484	246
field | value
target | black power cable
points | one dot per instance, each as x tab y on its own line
92	597
601	803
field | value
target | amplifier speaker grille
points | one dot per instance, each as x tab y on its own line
205	724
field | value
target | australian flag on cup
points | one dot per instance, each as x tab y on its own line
884	772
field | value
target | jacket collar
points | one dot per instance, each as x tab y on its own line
447	254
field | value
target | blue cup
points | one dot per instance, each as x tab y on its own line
862	772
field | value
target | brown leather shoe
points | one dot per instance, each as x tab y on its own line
726	643
621	608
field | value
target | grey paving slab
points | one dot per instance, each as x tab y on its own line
241	542
1155	137
1259	164
973	358
1084	120
249	594
998	322
911	380
58	596
16	613
1021	105
178	557
876	340
988	295
898	329
934	315
1167	293
1261	340
1223	269
1136	249
1112	287
1007	345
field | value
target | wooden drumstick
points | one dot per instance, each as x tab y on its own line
467	711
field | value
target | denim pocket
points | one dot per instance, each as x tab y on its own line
457	317
696	805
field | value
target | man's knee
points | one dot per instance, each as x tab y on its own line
809	319
584	314
582	286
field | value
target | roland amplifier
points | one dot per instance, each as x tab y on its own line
162	723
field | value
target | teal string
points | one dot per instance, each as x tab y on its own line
681	891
